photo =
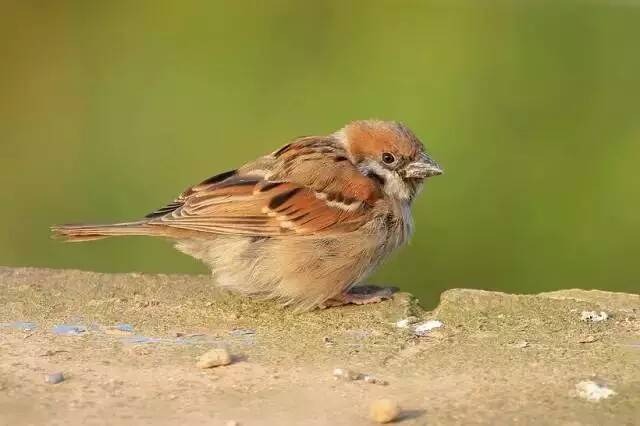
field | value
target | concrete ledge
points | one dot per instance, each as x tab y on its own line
127	346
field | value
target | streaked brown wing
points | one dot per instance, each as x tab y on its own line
250	206
306	187
319	163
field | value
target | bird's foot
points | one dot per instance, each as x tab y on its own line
361	295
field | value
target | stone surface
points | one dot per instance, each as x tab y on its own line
474	369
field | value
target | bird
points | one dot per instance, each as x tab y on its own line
304	225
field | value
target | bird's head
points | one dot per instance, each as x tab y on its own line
390	153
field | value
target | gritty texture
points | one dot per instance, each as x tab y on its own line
126	344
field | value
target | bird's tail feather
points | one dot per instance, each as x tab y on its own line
78	233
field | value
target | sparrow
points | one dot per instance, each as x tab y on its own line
304	225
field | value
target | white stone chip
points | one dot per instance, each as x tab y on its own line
345	374
54	378
404	323
424	328
591	391
594	316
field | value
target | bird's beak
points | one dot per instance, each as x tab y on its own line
425	167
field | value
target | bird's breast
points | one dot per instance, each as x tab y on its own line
397	226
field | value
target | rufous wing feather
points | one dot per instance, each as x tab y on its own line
253	206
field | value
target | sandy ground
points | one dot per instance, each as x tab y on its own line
128	344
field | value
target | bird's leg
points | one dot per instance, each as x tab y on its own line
361	295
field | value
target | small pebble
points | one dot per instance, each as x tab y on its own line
373	380
344	374
384	411
405	323
594	316
591	391
424	328
214	358
350	375
54	378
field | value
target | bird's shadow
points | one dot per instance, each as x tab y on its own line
365	290
406	415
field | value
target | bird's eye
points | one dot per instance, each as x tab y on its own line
388	158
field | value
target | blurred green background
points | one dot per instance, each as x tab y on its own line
110	109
